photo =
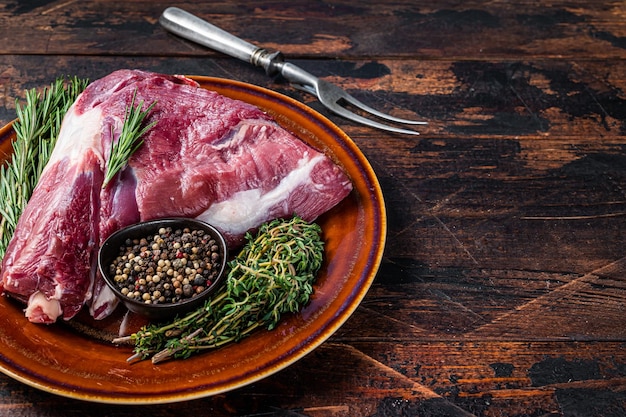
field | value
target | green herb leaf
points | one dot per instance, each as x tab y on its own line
130	138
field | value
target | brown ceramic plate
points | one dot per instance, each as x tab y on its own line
71	362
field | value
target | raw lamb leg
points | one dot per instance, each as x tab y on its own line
208	156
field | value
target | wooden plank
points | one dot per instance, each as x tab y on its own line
542	100
524	378
481	304
445	30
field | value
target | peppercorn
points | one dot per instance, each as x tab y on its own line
167	267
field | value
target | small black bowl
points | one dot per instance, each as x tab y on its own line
110	250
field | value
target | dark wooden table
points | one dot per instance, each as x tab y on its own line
503	284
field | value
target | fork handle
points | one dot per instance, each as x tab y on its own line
191	27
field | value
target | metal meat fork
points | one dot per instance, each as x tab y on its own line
191	27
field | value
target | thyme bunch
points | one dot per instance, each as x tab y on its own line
37	129
271	276
130	138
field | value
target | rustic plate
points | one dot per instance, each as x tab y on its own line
72	362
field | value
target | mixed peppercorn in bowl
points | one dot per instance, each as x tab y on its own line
165	267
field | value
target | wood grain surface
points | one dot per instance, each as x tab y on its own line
503	286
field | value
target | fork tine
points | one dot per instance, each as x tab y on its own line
342	111
350	99
331	95
334	94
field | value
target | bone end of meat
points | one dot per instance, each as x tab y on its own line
42	310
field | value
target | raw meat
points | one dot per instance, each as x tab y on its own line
208	156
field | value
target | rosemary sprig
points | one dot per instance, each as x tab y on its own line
130	138
37	128
271	276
